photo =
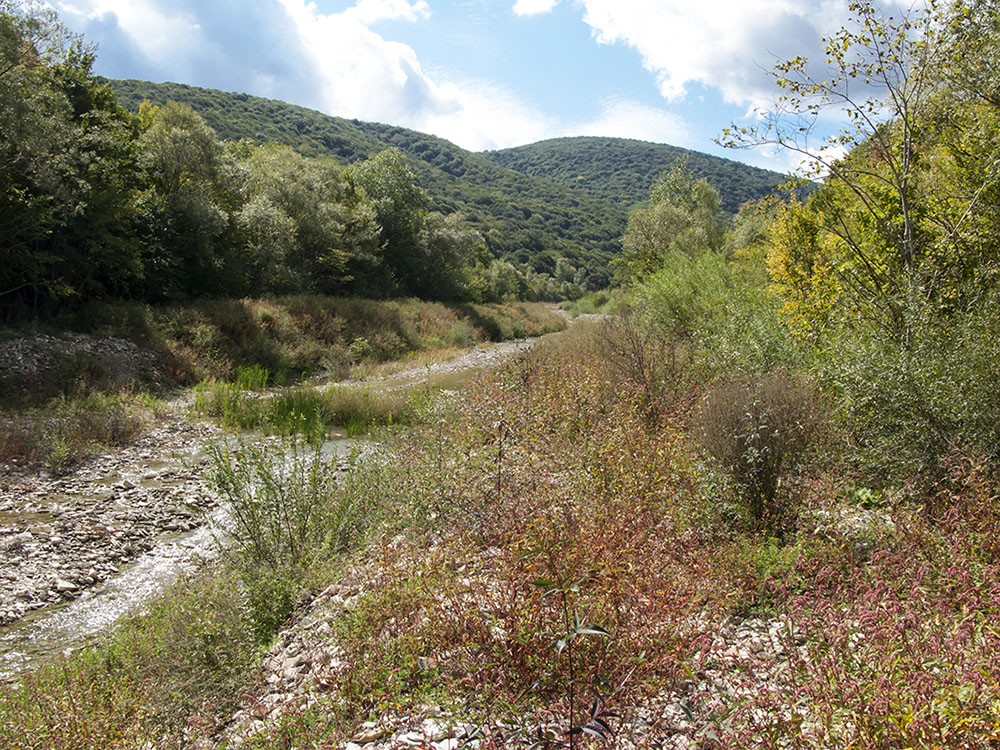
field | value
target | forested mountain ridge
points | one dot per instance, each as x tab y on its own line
622	170
523	218
526	201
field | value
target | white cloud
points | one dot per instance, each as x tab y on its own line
624	118
369	11
534	7
361	74
163	35
726	44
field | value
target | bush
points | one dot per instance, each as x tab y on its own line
288	513
734	322
910	403
161	675
645	364
758	430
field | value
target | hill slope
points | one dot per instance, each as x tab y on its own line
530	211
621	171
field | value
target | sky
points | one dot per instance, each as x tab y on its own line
485	74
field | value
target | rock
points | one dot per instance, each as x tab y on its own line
371	734
435	732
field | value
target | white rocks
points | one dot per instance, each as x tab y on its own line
61	536
370	732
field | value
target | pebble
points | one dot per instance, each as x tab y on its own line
87	532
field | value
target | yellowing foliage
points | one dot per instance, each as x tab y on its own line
802	266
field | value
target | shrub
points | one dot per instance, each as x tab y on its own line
910	403
651	367
758	430
299	411
733	322
232	405
288	513
361	349
161	676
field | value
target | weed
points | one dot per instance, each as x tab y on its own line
759	430
251	377
288	512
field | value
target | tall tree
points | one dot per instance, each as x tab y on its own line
400	205
182	207
65	166
682	215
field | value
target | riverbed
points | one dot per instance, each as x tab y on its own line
79	552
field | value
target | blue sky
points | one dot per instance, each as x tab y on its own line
482	73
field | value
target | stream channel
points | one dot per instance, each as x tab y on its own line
61	627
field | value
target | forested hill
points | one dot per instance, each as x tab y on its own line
621	171
523	218
530	210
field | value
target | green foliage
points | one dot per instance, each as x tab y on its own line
525	212
288	513
66	168
309	229
682	216
908	407
734	322
160	674
888	272
622	171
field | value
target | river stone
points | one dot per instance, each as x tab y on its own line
369	735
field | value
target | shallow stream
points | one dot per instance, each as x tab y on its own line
56	628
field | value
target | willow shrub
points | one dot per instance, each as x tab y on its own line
909	403
734	323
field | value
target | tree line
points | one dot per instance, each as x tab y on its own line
100	202
884	282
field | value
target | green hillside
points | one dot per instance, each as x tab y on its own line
524	218
518	198
621	171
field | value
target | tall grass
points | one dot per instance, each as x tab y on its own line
59	436
311	410
302	335
157	680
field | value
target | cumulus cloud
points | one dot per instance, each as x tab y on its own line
290	50
339	63
228	45
726	44
361	74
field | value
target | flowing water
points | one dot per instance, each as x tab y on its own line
64	627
